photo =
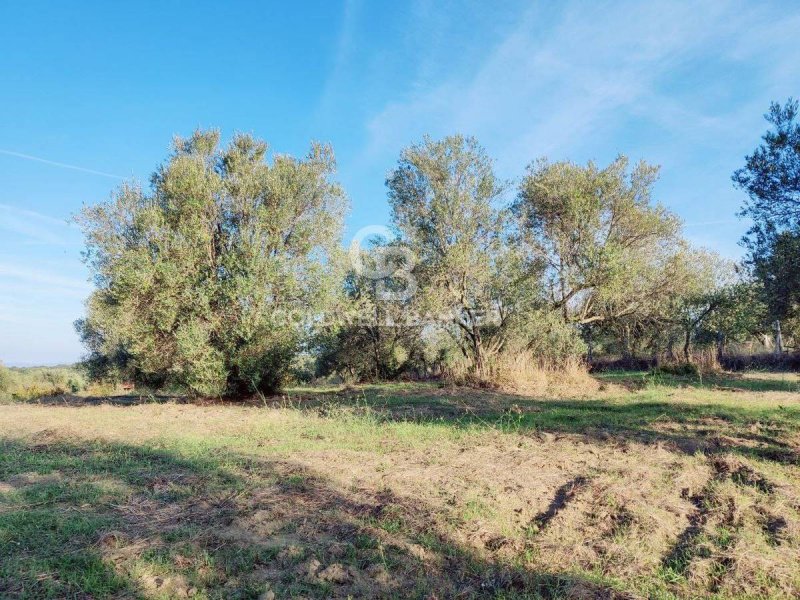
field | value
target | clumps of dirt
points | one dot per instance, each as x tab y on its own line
291	554
710	549
336	573
32	478
741	474
584	590
495	542
688	545
23	480
617	522
173	586
744	475
773	526
374	579
562	497
112	540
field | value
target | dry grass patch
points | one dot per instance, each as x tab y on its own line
406	491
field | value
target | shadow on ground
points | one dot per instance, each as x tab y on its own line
99	520
768	432
654	415
724	381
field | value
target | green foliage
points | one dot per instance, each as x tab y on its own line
603	248
34	382
225	278
378	337
778	270
741	312
544	333
445	199
682	369
770	178
212	279
5	380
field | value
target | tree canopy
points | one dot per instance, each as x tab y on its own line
228	271
771	178
445	200
604	249
210	279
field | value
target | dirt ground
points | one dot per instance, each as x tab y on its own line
665	489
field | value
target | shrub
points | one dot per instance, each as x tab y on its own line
6	381
681	369
765	362
526	373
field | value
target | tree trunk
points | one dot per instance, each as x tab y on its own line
778	338
589	344
626	342
687	346
477	352
720	346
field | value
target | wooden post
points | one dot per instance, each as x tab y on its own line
778	338
589	344
626	342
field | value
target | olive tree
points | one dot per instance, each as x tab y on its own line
211	279
446	207
605	250
375	333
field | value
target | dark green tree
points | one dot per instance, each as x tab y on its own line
771	178
771	175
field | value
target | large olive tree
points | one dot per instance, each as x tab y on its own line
210	279
605	249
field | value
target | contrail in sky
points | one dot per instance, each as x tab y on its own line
59	164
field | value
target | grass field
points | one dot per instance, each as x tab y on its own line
657	487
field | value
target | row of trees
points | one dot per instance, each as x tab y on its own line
581	259
230	269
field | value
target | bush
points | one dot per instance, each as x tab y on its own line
762	362
36	382
545	335
600	365
681	369
6	381
526	373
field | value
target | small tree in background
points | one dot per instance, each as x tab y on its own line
5	380
211	280
374	335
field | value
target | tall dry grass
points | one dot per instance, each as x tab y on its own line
526	373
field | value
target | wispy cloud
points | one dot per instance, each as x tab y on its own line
37	227
60	165
552	85
343	53
41	278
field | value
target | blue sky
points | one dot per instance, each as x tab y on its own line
93	92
